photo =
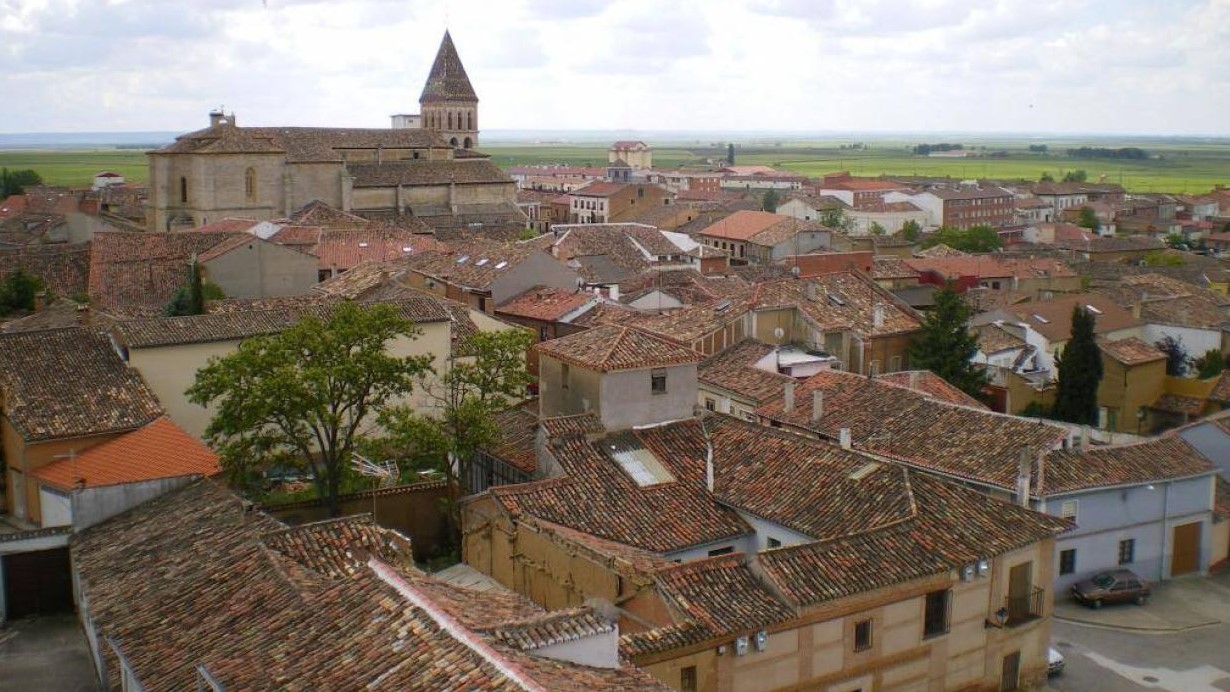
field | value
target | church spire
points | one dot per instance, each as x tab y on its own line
447	80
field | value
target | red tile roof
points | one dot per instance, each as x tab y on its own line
932	385
744	225
1131	351
545	303
599	189
1053	318
981	266
1159	459
609	347
159	450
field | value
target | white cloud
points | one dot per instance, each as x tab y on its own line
845	65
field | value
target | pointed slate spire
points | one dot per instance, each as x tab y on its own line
447	80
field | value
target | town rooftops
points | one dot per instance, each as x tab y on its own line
1131	351
759	227
932	385
1053	318
70	382
320	605
299	144
735	371
1158	459
953	193
841	300
161	449
545	304
474	263
981	266
995	338
599	189
609	347
63	269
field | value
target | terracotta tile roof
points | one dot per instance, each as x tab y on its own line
1178	403
317	213
159	450
939	251
733	370
139	272
932	385
745	225
518	428
685	325
426	173
315	611
299	144
227	225
892	267
339	248
447	80
238	324
70	382
1053	318
1159	459
994	338
607	348
1221	499
1131	351
686	285
599	188
473	263
981	266
64	269
841	300
1035	267
553	628
887	207
1221	390
1090	243
581	424
950	526
947	193
909	426
545	304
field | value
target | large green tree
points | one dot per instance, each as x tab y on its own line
911	230
973	239
946	346
770	201
301	397
16	182
1080	372
18	292
486	377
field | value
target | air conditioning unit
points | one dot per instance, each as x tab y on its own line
967	572
741	646
984	567
762	640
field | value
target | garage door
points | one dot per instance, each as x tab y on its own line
1186	557
38	583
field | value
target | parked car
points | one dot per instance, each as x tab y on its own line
1054	662
1114	586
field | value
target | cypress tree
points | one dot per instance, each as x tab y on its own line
946	346
1080	372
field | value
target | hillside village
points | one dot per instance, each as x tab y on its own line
728	470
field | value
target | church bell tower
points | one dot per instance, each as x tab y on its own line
448	104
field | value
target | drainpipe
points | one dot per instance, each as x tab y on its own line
1165	515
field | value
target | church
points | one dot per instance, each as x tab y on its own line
425	166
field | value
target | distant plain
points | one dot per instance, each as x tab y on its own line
1184	165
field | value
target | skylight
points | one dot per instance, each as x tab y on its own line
463	259
481	262
641	465
1040	318
501	265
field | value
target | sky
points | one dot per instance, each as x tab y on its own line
1049	66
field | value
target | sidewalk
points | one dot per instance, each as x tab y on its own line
1177	605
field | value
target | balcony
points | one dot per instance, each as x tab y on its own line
1023	609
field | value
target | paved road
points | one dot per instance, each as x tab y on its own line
45	653
1106	659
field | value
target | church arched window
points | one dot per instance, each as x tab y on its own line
469	122
183	190
450	120
469	143
249	184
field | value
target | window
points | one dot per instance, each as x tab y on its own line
183	190
1067	561
450	120
862	635
710	404
249	184
874	369
1127	551
722	551
935	613
1069	509
774	543
564	371
894	364
542	332
657	381
687	678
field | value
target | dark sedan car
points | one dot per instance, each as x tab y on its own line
1115	586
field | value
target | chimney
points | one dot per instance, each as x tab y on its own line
1136	309
1024	465
708	464
613	292
817	405
789	405
216	118
877	316
1085	435
811	291
845	438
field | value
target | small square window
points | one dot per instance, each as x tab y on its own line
1069	509
687	679
721	551
1067	561
710	404
1127	551
862	635
774	543
657	381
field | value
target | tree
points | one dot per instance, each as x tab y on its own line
16	182
1088	219
1077	176
1177	359
1080	372
876	229
1211	364
189	299
300	397
730	154
836	218
946	346
1046	177
466	399
770	201
911	230
1160	258
973	239
18	292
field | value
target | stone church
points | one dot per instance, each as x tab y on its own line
425	166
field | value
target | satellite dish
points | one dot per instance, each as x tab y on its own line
779	333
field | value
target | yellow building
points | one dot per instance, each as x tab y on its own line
1133	377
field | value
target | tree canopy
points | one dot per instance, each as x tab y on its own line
973	239
16	182
300	397
1088	219
946	346
770	201
911	230
18	292
1177	359
1211	364
730	154
1080	372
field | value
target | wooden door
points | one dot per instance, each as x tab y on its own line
1011	675
1020	584
1185	558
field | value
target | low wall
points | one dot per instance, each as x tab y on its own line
416	510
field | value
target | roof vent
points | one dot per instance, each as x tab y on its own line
1040	318
362	243
864	471
481	262
722	306
463	259
836	299
407	248
501	264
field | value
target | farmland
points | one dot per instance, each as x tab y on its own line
1175	165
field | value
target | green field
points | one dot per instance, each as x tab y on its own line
1189	166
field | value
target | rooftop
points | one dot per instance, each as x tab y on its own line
1159	459
1053	318
545	304
609	347
161	449
1131	351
